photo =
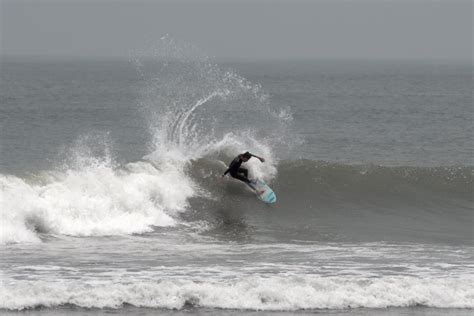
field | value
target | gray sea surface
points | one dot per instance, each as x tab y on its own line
112	200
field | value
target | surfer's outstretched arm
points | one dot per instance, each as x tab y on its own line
259	158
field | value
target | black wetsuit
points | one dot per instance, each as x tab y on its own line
236	171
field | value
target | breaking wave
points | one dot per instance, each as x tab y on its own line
274	293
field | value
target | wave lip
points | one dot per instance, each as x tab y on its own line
275	293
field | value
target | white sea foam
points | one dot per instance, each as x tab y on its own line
253	293
94	200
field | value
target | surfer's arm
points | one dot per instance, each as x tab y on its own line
259	158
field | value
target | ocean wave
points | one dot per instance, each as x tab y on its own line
101	200
323	176
96	200
324	182
277	293
90	195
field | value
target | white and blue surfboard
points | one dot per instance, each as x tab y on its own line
263	191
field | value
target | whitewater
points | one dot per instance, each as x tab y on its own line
112	201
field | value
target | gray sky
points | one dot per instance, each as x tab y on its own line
242	29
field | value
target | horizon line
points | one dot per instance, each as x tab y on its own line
234	58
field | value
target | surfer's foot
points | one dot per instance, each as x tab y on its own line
260	192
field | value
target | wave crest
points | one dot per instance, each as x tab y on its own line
97	200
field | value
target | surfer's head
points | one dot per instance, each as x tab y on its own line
246	156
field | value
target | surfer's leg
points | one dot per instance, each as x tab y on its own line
240	177
244	171
247	181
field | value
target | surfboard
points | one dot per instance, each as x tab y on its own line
263	191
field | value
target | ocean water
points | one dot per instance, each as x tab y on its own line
112	201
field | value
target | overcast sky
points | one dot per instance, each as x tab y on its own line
242	29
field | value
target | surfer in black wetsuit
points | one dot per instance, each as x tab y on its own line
238	172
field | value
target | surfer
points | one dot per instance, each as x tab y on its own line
238	172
